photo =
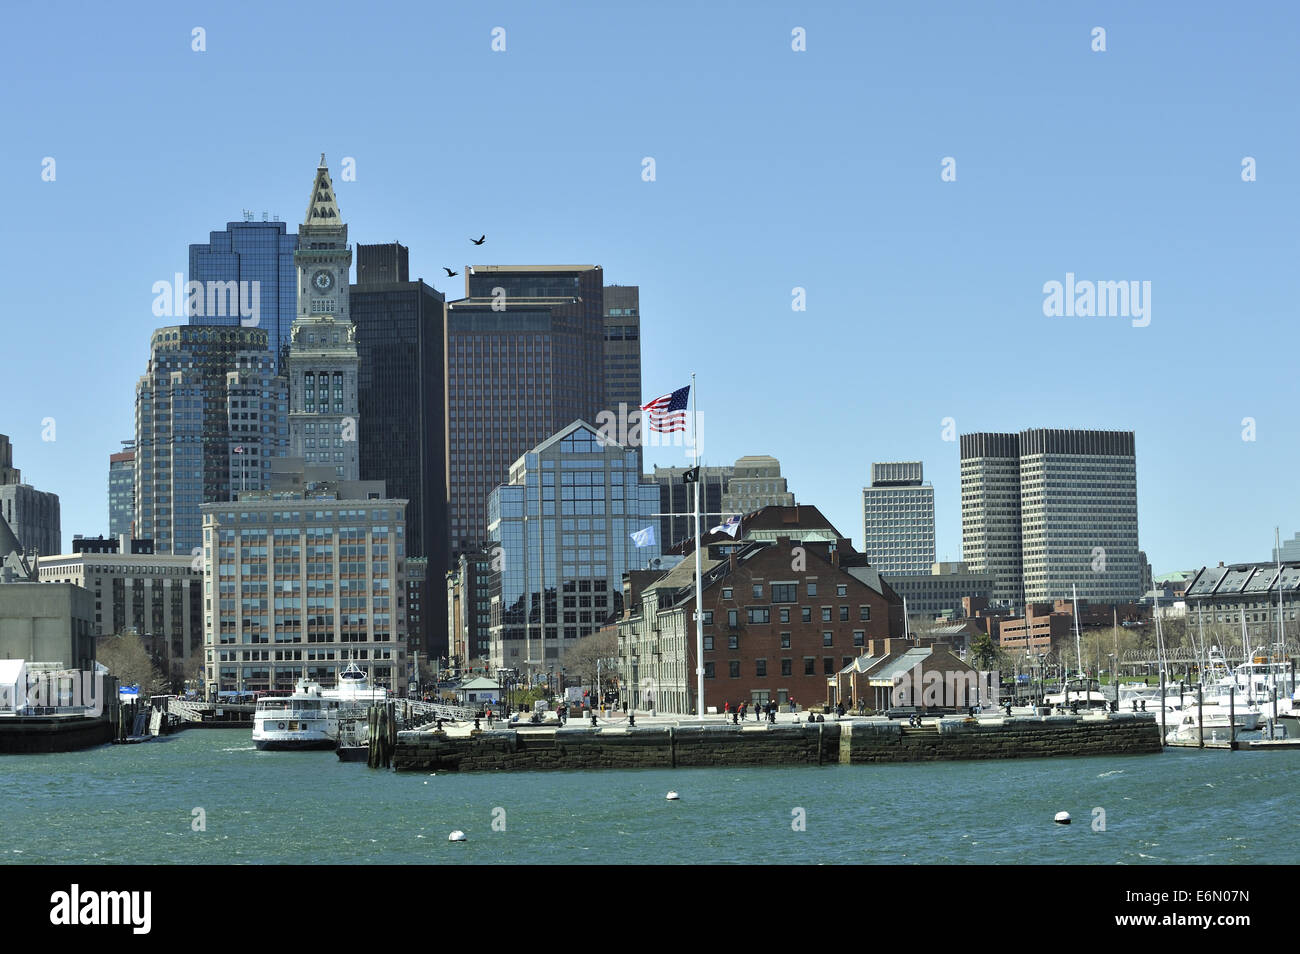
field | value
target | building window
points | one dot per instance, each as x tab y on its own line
864	612
809	666
805	614
760	614
859	638
786	666
785	614
827	638
812	589
733	642
733	618
826	614
785	640
841	589
784	592
708	670
708	617
708	642
758	591
828	665
760	667
726	592
734	668
844	614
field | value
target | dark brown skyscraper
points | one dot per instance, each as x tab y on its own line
525	358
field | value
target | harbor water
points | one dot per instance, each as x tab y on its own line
209	797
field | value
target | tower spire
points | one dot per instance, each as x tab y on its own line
322	208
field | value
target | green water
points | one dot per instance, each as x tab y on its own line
135	804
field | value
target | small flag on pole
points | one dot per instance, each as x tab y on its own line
730	526
691	476
239	449
668	413
645	537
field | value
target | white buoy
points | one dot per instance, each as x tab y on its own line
456	835
1062	818
672	796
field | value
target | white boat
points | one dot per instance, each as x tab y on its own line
1188	731
309	717
302	720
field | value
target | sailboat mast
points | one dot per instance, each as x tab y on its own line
1078	651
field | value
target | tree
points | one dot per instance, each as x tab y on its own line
984	651
127	659
599	651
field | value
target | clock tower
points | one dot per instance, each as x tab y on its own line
323	362
323	257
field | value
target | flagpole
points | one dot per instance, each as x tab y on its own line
699	539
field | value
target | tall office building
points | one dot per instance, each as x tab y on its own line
33	515
898	519
623	353
121	490
756	483
401	422
563	524
525	358
249	252
677	497
310	578
990	512
1049	510
210	415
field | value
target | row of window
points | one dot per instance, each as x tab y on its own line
787	667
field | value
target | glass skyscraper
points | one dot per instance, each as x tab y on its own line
253	252
563	524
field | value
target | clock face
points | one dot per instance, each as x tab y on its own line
323	281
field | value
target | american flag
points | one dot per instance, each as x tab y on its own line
668	413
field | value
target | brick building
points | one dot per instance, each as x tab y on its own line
780	616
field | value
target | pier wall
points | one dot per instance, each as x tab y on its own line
27	735
826	743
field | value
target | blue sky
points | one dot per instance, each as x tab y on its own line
775	169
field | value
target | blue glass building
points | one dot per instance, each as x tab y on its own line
253	252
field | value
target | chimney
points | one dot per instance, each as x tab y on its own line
731	562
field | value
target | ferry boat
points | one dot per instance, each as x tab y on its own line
302	720
309	717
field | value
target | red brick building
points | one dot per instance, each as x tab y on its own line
780	617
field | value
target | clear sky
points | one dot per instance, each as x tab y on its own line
774	169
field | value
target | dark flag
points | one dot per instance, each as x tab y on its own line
691	476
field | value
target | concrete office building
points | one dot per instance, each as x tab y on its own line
309	578
898	519
756	482
32	515
563	525
940	591
157	597
677	497
1047	510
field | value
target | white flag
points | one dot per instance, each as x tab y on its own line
645	537
730	526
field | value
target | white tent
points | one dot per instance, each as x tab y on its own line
13	684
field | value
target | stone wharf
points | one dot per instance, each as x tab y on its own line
853	741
